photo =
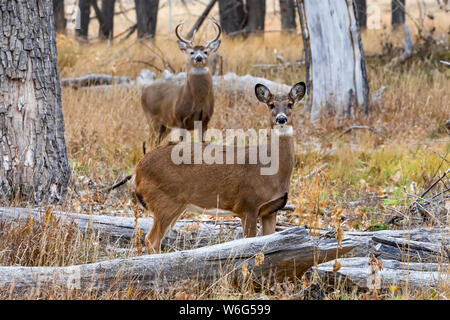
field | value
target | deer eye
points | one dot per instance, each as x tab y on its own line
271	106
205	52
290	105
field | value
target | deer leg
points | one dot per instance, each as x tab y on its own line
162	219
249	224
268	213
269	223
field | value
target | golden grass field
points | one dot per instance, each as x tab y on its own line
105	129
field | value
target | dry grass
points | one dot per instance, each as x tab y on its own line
105	131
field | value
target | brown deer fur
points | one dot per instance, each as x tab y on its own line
168	189
169	105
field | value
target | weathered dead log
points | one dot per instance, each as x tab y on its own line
185	234
413	275
418	245
284	254
94	80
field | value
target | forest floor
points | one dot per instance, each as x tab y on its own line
366	182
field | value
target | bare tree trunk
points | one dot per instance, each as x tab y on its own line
146	13
232	16
397	12
256	10
33	156
60	18
361	6
200	19
106	31
287	9
82	25
335	65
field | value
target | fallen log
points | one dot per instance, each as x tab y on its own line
185	234
412	275
413	245
274	257
94	80
418	245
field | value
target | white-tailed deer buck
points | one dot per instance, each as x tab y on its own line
168	189
170	105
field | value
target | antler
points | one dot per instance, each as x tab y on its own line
218	32
178	35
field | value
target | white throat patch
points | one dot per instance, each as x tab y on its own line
200	70
283	130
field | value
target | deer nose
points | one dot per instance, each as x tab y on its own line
198	58
281	118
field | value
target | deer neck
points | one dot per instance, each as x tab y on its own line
199	83
286	150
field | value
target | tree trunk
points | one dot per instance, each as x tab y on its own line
256	11
106	31
147	14
272	258
232	16
200	19
33	156
334	59
287	11
397	12
361	6
82	22
60	18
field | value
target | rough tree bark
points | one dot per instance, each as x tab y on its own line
83	18
33	156
232	16
397	12
287	11
146	13
60	18
256	11
335	65
361	6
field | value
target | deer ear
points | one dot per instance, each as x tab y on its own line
262	93
183	45
298	91
214	45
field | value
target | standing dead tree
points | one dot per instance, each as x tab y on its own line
256	11
106	29
60	18
397	12
232	16
334	59
287	11
146	14
83	19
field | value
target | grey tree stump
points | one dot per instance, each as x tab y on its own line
336	75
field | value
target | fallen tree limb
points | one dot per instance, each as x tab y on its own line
94	80
186	234
285	254
419	245
413	275
414	245
407	53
